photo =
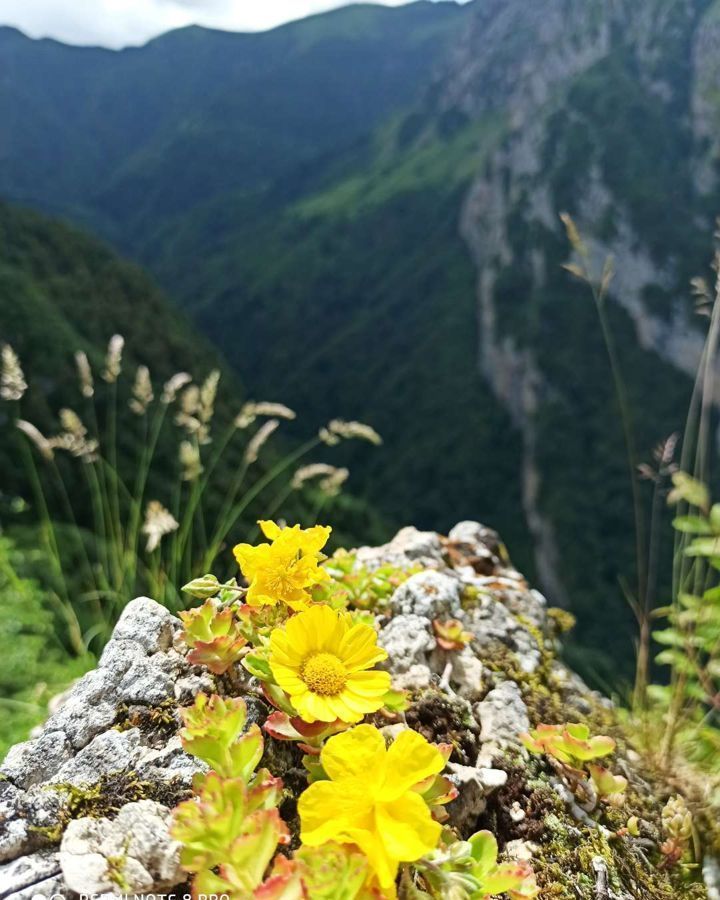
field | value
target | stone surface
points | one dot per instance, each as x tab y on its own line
148	624
409	548
167	763
130	854
502	716
118	725
429	594
53	887
89	709
112	751
32	871
408	641
494	625
711	874
464	670
470	802
34	761
14	836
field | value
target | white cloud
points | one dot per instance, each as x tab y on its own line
117	23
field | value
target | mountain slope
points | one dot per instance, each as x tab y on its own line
355	275
129	138
62	291
362	211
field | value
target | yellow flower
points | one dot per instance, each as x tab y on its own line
369	800
286	568
320	659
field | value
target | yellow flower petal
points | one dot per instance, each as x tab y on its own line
410	759
355	754
328	625
328	664
288	679
244	554
313	707
359	706
384	865
257	598
302	637
359	649
360	804
285	569
344	709
316	537
371	685
269	529
368	689
328	810
281	647
407	828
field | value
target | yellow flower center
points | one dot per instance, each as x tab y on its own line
324	674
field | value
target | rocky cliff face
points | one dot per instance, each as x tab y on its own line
85	804
565	76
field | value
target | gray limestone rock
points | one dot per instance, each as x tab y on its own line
492	623
112	751
430	594
408	641
89	709
168	763
408	548
148	624
37	760
463	669
29	872
14	836
503	717
133	853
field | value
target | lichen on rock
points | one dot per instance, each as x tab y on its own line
85	805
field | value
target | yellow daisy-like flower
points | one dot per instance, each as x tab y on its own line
286	568
369	800
320	659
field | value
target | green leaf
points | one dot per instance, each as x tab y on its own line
704	546
679	661
203	588
715	518
692	524
659	693
258	666
484	850
669	638
689	489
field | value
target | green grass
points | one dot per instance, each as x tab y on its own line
35	664
433	165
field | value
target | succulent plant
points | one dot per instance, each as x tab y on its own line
214	636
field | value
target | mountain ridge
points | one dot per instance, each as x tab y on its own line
415	247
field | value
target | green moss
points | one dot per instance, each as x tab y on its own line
560	621
158	722
116	870
566	847
105	798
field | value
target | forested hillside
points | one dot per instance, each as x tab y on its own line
62	291
361	210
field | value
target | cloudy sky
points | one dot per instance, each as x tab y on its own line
117	23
